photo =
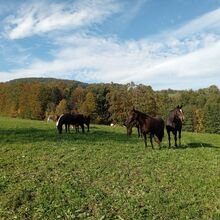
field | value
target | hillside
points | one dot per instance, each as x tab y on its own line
46	81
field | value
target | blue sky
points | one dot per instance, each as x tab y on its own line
163	43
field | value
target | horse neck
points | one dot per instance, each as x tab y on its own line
171	116
141	118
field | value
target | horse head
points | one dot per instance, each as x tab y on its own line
131	121
179	115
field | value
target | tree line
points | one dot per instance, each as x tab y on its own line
108	103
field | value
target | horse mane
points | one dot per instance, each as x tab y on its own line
142	114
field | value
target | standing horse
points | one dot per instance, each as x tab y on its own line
174	124
148	125
70	119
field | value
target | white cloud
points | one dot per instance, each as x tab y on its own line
177	59
41	17
208	22
106	60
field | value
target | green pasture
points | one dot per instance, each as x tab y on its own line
104	174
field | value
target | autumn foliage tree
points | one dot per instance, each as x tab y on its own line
77	98
62	107
88	107
36	99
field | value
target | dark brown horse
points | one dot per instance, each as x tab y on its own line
70	119
174	124
135	125
86	121
148	125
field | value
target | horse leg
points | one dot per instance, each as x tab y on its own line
168	133
138	130
66	127
82	126
151	141
175	137
145	139
157	140
87	127
77	128
179	137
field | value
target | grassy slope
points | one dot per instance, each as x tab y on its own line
105	175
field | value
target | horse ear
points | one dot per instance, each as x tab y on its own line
178	106
133	108
181	106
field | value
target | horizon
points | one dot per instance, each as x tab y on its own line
171	45
60	79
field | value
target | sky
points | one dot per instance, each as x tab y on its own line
162	43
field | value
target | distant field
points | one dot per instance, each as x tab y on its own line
105	175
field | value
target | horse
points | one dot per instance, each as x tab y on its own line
68	119
174	124
148	125
86	121
135	125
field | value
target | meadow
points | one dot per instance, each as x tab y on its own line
104	174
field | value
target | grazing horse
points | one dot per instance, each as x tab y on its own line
135	125
174	124
86	121
148	125
70	119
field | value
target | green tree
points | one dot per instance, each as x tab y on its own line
199	120
119	103
77	98
89	106
62	107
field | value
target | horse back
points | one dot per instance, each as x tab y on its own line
77	119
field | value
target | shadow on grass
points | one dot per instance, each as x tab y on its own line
23	135
197	145
96	134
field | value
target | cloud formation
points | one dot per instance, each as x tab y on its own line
37	19
208	22
176	58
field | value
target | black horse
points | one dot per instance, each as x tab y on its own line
86	121
174	124
148	125
70	119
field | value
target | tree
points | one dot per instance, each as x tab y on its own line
29	102
77	98
89	106
119	103
56	95
198	120
62	107
102	104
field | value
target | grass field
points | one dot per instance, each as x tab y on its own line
105	175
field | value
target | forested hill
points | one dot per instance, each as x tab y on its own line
37	98
46	81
